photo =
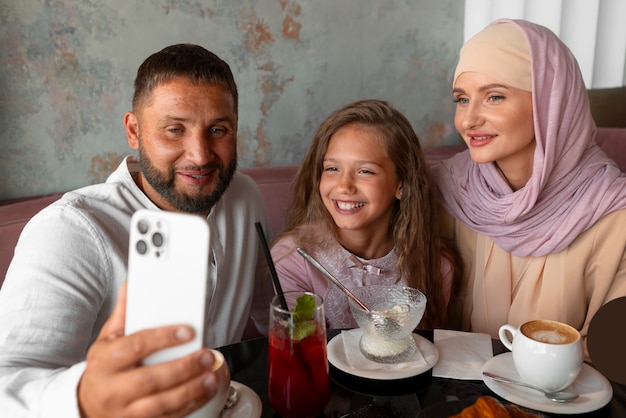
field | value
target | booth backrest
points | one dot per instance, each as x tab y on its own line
274	182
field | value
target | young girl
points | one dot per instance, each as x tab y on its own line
363	206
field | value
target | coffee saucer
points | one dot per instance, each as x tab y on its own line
593	388
379	371
248	406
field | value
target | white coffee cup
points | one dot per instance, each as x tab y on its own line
547	354
214	407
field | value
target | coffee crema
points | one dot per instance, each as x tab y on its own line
549	332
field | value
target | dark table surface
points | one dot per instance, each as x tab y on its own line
421	396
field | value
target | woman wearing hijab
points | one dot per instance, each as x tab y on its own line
538	208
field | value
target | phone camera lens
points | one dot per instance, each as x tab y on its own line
142	247
157	239
143	226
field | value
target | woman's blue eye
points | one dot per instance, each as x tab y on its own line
496	98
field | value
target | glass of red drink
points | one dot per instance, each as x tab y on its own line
298	364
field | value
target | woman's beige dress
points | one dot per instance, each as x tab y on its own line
569	286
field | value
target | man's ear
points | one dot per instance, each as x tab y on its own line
132	130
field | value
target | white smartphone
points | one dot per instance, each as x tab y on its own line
167	276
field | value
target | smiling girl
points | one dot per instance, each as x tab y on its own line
363	206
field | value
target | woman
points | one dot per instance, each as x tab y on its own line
538	207
364	208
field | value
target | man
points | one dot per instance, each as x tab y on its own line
63	351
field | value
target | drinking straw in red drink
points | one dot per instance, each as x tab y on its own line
270	263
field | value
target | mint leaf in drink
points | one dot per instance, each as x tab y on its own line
304	309
303	330
304	326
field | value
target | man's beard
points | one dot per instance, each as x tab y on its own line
164	184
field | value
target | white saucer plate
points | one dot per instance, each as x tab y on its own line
248	406
593	388
337	357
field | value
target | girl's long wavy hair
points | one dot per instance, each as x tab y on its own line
415	223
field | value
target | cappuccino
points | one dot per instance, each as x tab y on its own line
549	332
546	354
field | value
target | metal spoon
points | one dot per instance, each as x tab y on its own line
380	322
554	396
232	398
332	278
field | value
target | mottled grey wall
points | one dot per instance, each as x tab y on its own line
67	68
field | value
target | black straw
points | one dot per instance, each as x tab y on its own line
270	264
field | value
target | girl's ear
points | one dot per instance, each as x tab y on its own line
399	192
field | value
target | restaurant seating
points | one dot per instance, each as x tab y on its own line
274	183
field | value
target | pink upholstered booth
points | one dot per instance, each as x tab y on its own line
274	183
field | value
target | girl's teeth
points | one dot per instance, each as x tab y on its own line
349	206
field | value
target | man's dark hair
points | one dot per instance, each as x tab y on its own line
186	60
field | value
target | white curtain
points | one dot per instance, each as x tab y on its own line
594	30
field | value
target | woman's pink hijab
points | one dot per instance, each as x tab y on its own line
573	182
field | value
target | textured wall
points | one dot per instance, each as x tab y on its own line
67	69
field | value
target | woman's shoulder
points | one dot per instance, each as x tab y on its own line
609	228
610	225
618	216
605	240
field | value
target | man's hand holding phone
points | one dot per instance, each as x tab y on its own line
116	384
149	360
